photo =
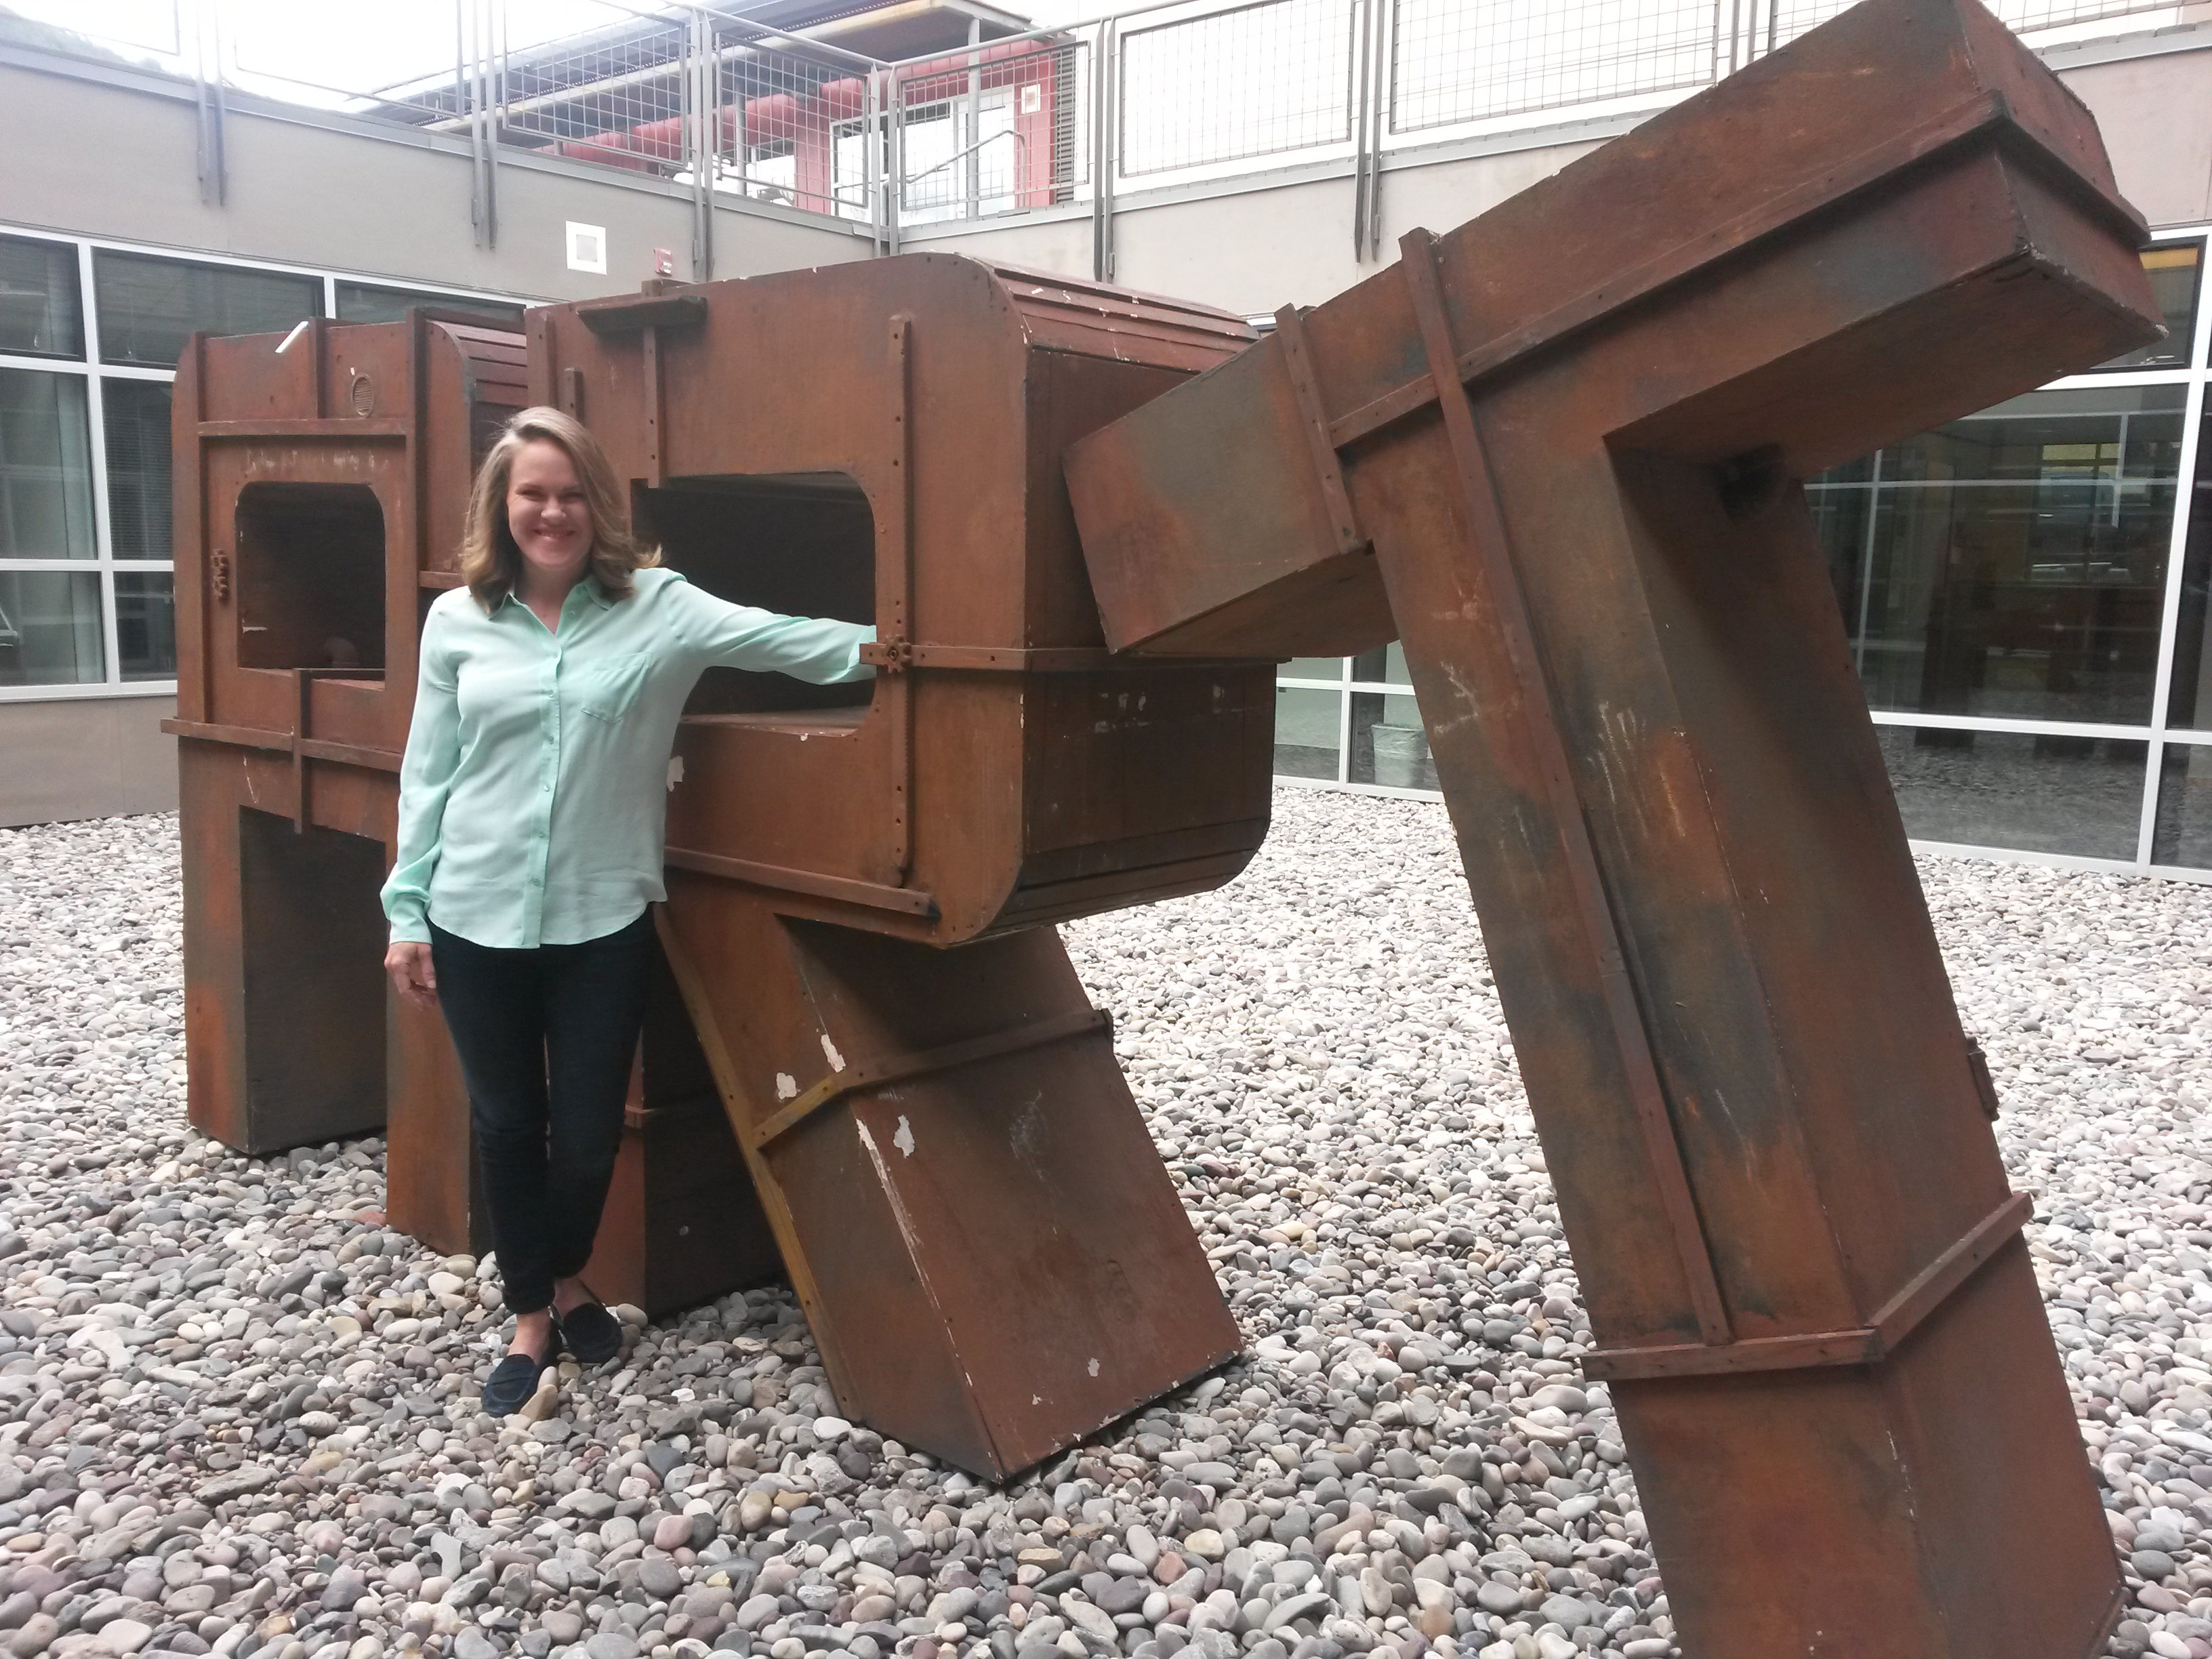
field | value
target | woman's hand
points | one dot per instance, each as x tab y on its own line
412	975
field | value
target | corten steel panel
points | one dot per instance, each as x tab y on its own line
682	1223
1773	1164
342	465
992	1259
930	1108
961	795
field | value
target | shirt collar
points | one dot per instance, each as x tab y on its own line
591	588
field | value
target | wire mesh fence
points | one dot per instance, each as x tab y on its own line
613	93
680	89
1767	24
794	126
1455	61
996	130
1252	81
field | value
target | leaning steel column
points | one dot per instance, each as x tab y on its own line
1555	453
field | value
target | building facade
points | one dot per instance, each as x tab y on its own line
2024	590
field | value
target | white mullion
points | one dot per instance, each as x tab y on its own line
132	372
1343	726
2192	423
103	535
2103	380
85	690
2031	728
2184	502
43	365
330	301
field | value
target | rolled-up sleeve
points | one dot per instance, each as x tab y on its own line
426	779
723	634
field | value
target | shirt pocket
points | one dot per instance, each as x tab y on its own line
607	690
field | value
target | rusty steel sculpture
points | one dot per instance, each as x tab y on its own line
911	1130
1555	453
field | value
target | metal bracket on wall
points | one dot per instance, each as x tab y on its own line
479	65
1105	75
1366	161
702	93
208	112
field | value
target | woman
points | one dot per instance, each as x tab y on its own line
531	806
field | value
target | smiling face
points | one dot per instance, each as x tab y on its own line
548	516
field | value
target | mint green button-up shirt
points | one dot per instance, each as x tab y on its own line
534	792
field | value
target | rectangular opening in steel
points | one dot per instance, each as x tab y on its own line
310	577
801	543
314	992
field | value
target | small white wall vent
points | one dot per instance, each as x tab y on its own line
587	247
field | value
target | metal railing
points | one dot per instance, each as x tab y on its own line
1000	128
1452	62
697	94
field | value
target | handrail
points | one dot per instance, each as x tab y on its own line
906	179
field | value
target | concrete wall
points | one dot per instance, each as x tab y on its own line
1260	243
1253	244
2156	117
88	757
93	158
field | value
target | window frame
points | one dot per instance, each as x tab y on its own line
95	371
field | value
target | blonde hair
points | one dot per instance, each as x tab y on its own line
491	561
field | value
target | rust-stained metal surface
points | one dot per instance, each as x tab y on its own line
321	493
1555	453
926	1101
881	442
889	1078
318	494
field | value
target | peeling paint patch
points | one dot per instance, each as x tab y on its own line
786	1086
904	1139
1094	1368
675	770
830	1050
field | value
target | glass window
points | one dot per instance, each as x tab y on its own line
364	302
1306	733
45	467
40	316
50	632
135	414
1390	745
1312	668
2081	796
2011	564
2190	703
146	624
147	306
2174	271
2182	834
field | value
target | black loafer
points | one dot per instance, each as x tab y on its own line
514	1379
592	1334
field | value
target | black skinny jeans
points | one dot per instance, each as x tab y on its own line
546	1037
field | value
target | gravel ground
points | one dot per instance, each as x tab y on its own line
236	1416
